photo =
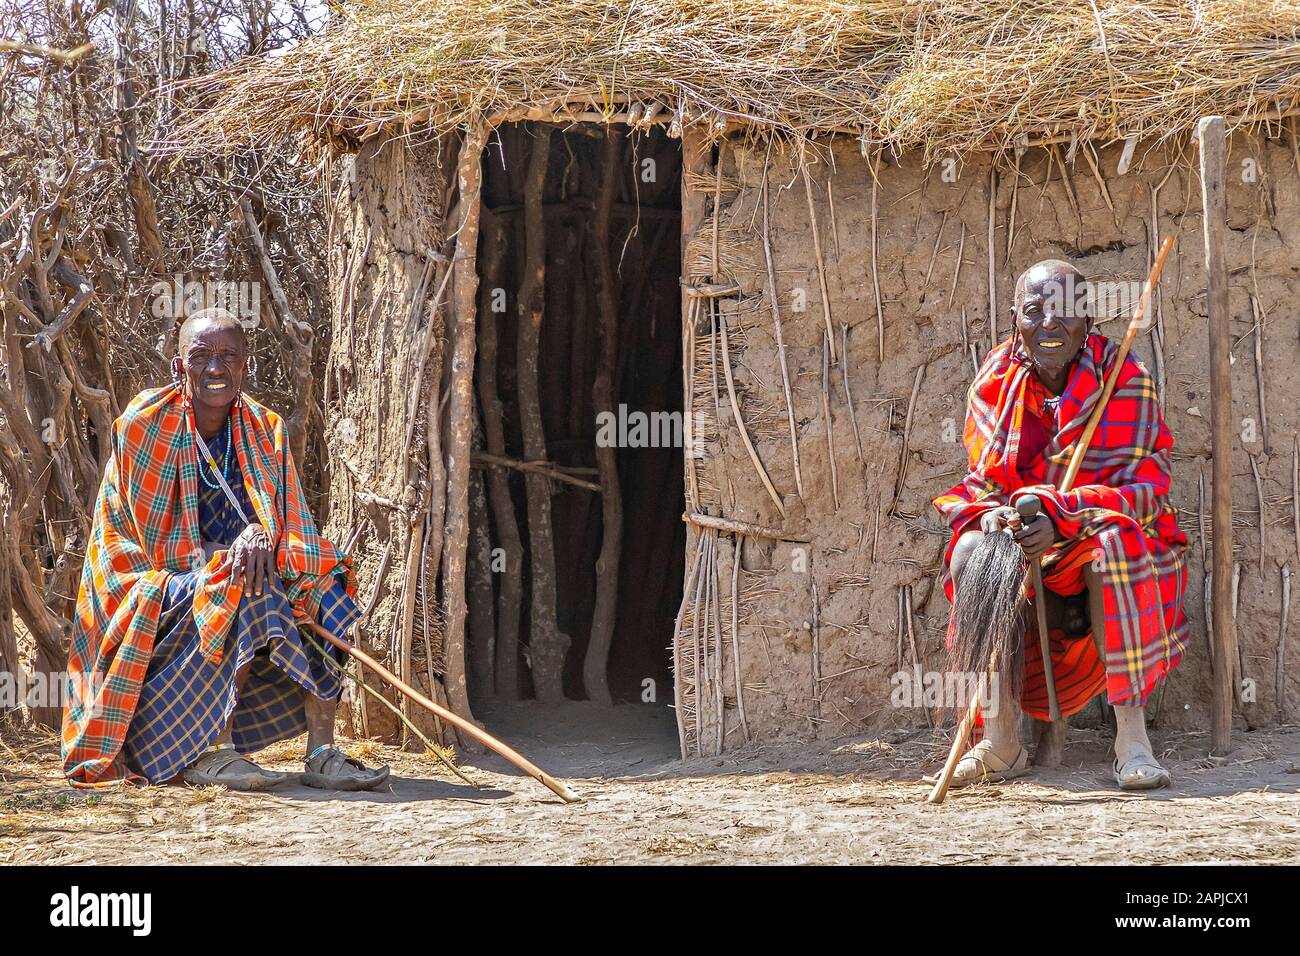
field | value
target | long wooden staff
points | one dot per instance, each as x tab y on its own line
486	739
962	737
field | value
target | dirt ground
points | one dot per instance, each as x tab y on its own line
854	800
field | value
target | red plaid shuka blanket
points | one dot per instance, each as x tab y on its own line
1117	516
145	529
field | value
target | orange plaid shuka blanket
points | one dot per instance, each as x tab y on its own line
145	529
1116	517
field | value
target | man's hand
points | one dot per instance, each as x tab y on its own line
1036	537
1001	517
251	559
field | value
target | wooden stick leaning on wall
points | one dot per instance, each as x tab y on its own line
1279	661
826	416
744	528
817	252
967	724
874	169
992	267
740	421
735	634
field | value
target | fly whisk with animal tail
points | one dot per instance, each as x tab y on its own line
987	628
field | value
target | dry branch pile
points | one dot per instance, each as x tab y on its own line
102	247
936	74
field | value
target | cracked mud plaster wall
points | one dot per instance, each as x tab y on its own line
858	569
387	216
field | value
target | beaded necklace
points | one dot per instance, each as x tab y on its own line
225	467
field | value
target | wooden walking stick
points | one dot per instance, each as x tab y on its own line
967	724
1028	507
460	723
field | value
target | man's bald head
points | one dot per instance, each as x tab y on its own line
1047	271
212	319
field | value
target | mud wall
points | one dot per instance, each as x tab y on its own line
388	257
822	625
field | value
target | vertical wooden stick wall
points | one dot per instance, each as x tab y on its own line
695	163
1211	136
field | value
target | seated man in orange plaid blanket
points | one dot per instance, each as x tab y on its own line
1113	535
202	561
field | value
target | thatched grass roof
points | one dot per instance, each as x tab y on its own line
940	74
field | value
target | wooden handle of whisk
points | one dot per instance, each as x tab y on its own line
1029	508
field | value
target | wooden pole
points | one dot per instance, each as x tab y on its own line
548	645
605	612
1029	506
696	163
460	416
1213	143
460	723
510	594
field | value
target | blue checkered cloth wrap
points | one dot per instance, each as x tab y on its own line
186	701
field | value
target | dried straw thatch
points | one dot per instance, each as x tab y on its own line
942	74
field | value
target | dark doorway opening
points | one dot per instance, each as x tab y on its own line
597	193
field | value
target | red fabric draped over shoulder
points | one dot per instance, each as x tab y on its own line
1118	512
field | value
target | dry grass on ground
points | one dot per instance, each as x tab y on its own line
848	801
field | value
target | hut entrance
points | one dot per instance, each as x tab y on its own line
573	592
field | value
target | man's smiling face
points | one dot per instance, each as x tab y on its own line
213	360
1052	314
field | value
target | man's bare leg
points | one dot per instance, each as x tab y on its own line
1131	732
1131	740
327	767
320	720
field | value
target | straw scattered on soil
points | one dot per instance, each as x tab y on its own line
854	800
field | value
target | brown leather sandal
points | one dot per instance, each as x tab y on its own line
328	768
217	767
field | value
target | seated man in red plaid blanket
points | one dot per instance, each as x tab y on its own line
1112	545
203	560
